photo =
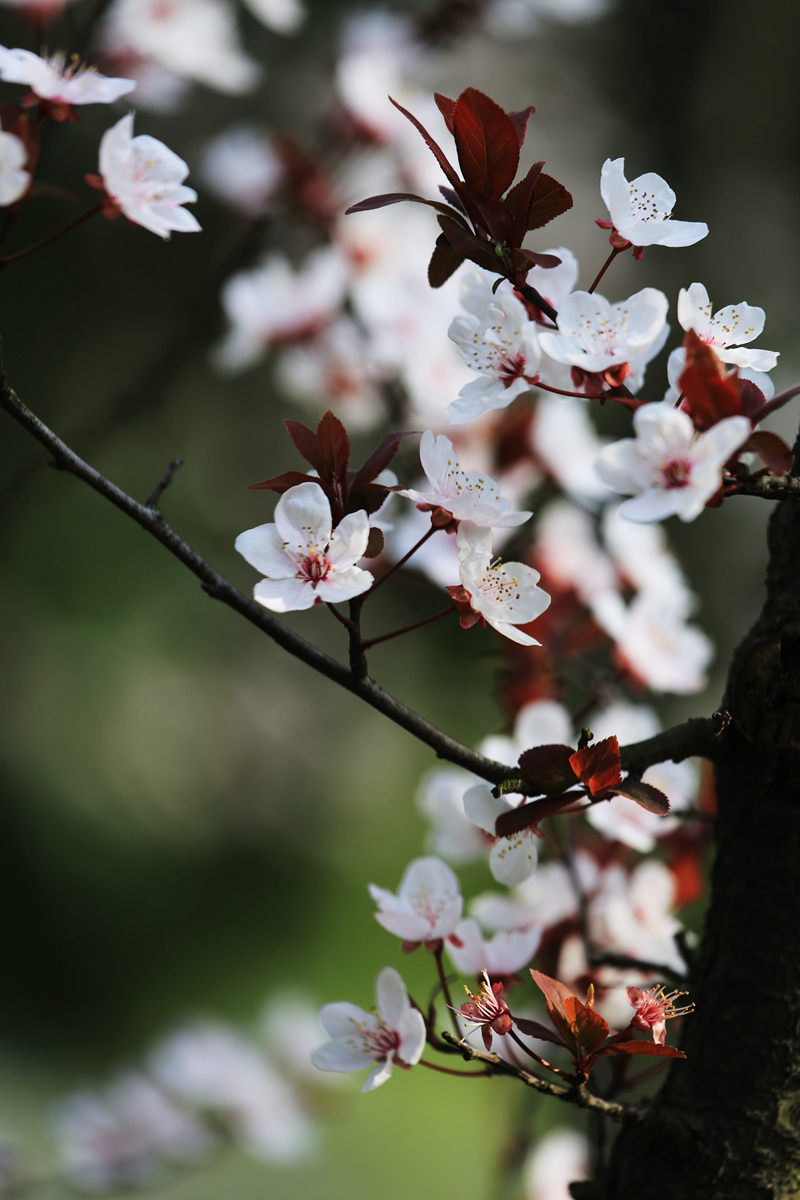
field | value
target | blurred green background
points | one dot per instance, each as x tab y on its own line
189	818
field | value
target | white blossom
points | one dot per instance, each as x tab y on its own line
51	78
145	179
427	905
274	302
632	913
281	16
14	179
568	551
466	495
566	442
440	798
197	40
512	859
641	211
654	642
500	343
503	594
597	336
676	365
642	557
333	369
304	561
560	1158
503	954
671	470
727	330
394	1034
546	898
240	166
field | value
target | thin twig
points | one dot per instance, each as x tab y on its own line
162	485
444	985
445	612
401	561
450	1071
625	961
768	487
51	237
615	250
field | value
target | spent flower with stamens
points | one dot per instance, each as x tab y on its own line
654	1007
487	1010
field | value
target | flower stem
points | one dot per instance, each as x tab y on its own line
407	628
629	402
450	1071
614	252
12	258
446	993
541	1061
342	620
402	561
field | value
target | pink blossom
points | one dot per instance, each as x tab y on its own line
51	78
145	180
427	905
654	1008
487	1010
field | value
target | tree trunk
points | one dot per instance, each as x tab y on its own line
729	1126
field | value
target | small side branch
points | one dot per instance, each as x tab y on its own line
162	485
768	487
220	589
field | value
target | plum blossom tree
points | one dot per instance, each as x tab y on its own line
587	811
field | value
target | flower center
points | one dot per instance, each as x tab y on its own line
381	1041
314	569
511	367
675	474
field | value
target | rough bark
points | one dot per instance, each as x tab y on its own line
730	1127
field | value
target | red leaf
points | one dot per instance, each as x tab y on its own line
535	1029
519	201
550	199
556	995
589	1028
435	149
649	797
446	107
711	393
520	122
547	768
282	483
307	444
547	261
335	446
388	198
487	143
375	543
771	449
380	458
492	215
649	1048
369	496
598	765
528	816
468	246
444	261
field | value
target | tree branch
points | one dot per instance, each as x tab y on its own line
218	588
698	737
769	487
578	1095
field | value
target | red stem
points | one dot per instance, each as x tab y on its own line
776	402
614	252
449	1071
446	993
402	561
632	403
541	1061
407	628
12	258
342	620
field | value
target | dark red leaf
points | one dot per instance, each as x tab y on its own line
397	198
487	143
282	483
468	246
546	261
452	198
518	202
598	765
528	816
547	768
369	496
752	398
520	122
444	261
711	393
380	458
492	215
771	449
446	107
556	995
649	1048
649	797
375	543
550	199
335	446
535	1029
435	149
588	1027
307	444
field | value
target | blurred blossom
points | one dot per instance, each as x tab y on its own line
568	552
438	558
546	898
197	40
502	955
117	1140
14	180
511	859
516	18
241	168
428	903
274	302
440	798
377	56
654	642
632	913
289	1026
642	557
566	443
281	16
214	1068
332	369
559	1159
